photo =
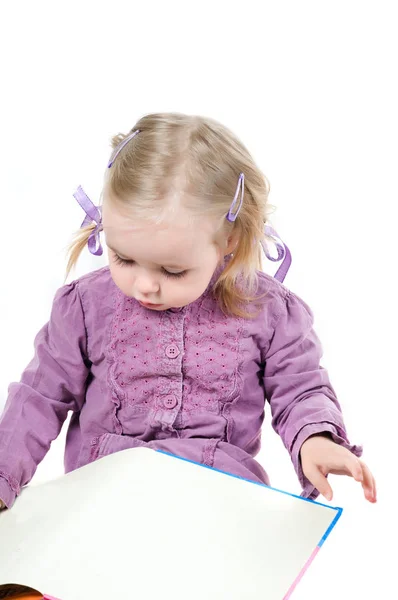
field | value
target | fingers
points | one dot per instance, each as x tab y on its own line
375	489
368	483
354	466
361	472
318	480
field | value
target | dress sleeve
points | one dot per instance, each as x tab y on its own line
53	384
302	399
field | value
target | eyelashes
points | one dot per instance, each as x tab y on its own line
122	261
173	275
128	263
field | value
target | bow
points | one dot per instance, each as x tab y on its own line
93	214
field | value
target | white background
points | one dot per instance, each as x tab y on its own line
310	88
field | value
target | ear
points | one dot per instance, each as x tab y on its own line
231	242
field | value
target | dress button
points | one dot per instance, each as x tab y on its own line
172	351
170	402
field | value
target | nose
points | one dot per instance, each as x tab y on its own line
146	284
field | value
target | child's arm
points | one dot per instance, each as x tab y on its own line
302	399
52	384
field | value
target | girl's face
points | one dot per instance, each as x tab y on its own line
162	266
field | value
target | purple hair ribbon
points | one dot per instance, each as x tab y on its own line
283	253
93	214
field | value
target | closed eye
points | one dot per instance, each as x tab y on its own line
122	261
128	263
175	275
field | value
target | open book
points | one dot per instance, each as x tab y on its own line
144	524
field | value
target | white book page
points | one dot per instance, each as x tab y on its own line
155	526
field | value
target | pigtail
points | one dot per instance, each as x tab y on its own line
236	287
77	246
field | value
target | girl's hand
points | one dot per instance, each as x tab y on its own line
320	455
2	505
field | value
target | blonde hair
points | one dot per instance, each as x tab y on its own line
203	159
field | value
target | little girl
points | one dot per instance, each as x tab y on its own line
177	344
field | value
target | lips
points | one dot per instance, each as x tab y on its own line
149	304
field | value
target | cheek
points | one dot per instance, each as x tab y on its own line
122	277
192	288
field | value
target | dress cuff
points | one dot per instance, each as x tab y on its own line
6	493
